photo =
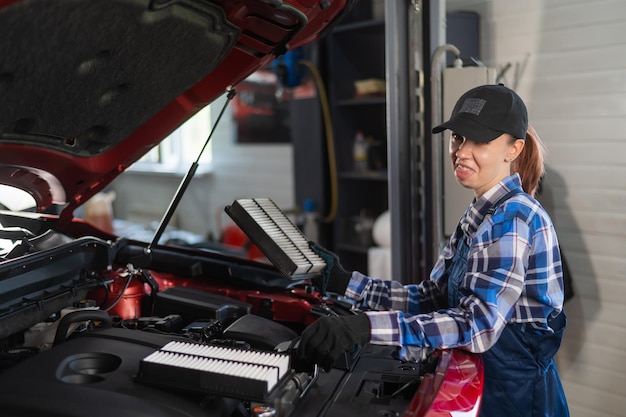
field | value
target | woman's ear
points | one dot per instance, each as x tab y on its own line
515	149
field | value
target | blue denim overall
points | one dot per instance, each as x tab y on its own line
521	378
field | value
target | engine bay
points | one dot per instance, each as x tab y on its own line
79	317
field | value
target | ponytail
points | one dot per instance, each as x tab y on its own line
530	163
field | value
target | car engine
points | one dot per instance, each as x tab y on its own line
81	320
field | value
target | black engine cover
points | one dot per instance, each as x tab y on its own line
93	375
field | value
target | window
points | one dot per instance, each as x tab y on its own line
180	149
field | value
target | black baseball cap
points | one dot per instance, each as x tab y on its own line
486	112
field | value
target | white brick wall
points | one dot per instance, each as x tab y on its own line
568	62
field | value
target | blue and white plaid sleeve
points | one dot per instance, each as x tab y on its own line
378	294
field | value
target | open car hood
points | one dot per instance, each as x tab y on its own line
88	87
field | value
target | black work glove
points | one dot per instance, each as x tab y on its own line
335	278
330	336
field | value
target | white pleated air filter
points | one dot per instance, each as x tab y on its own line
225	371
277	237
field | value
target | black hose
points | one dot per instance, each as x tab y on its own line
80	316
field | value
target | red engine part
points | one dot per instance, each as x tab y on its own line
289	305
123	296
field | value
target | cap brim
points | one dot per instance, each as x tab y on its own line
468	128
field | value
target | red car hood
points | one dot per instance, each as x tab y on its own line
88	87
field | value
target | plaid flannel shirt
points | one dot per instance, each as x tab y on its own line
513	275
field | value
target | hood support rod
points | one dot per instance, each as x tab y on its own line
186	181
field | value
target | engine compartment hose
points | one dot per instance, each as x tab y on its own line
77	317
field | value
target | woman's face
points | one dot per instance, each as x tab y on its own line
480	166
